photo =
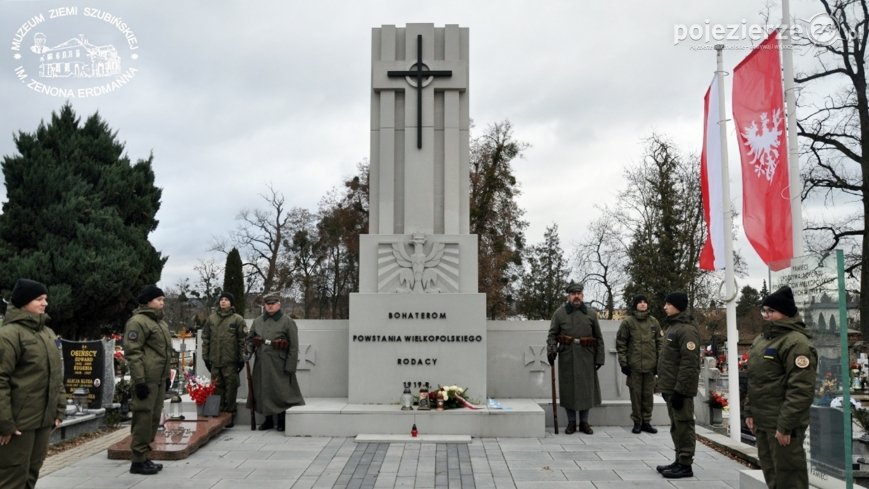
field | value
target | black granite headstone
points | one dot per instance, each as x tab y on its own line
84	367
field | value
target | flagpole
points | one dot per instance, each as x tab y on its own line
735	420
793	145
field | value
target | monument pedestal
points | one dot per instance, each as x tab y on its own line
338	417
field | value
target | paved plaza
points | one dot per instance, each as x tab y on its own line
612	458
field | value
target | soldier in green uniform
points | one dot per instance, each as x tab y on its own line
575	339
782	367
148	350
32	398
678	373
223	351
275	340
638	342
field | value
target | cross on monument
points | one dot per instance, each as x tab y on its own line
419	71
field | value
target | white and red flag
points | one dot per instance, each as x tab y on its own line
759	115
711	184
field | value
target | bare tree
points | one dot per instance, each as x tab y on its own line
601	259
835	139
259	237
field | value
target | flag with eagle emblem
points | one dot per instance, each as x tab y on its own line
759	115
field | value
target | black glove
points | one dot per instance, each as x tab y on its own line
208	365
239	366
168	384
626	370
142	391
677	401
597	366
551	357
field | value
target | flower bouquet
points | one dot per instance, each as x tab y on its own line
453	397
199	389
717	400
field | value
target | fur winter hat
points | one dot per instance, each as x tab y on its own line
782	301
637	299
149	293
679	300
26	290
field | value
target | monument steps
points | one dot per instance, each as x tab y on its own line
338	417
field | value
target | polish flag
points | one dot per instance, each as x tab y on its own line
711	185
761	122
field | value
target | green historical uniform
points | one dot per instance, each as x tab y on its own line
638	342
678	374
222	351
32	395
782	367
275	339
148	350
575	332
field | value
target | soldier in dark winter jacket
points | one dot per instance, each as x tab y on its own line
678	373
637	343
148	350
782	367
32	398
223	351
274	338
575	339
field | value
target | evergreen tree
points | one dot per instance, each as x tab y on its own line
748	301
495	216
77	217
543	284
233	280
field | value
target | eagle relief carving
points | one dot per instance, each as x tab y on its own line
418	266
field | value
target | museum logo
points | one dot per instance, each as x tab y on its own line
75	52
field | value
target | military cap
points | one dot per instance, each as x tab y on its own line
573	287
272	297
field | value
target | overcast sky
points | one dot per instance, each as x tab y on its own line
230	96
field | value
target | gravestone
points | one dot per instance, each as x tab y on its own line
418	316
85	367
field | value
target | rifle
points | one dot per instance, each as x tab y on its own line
251	400
554	406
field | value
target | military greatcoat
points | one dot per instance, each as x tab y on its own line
578	384
275	387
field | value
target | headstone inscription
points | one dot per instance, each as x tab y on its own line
84	370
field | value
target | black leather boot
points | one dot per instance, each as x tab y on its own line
678	471
143	468
662	468
267	424
636	429
648	428
571	428
281	421
585	428
154	464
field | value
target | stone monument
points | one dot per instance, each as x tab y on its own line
418	316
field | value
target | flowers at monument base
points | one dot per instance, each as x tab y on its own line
717	400
199	389
454	397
